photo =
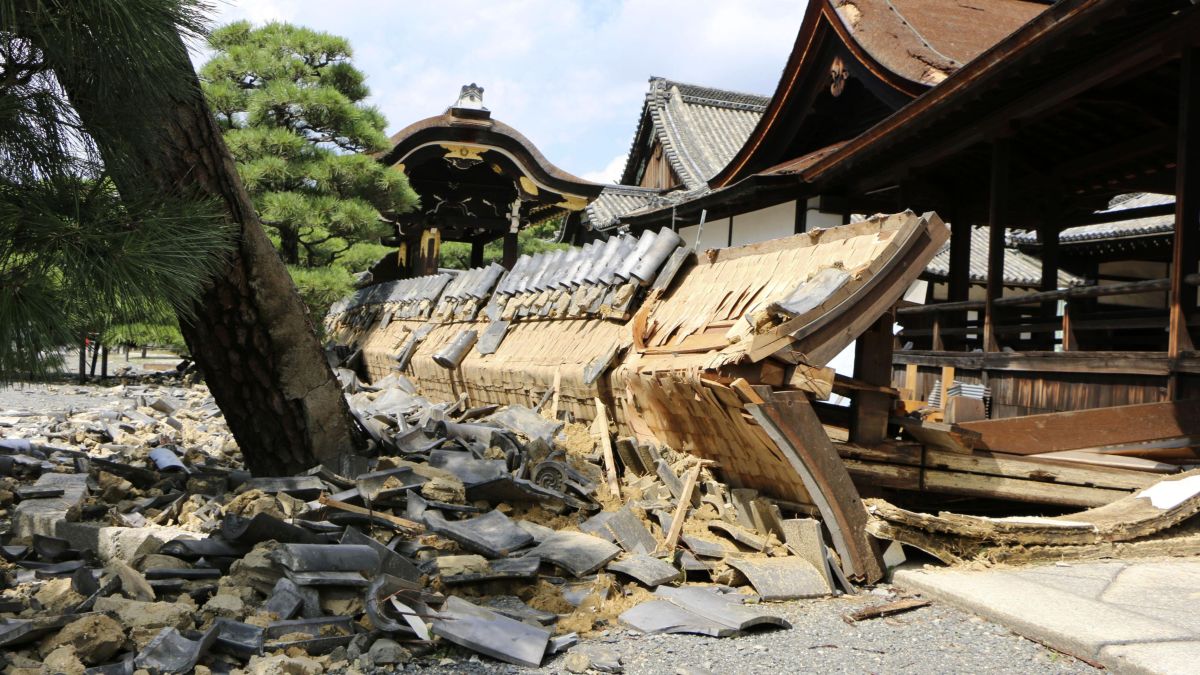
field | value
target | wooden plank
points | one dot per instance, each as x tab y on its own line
685	501
792	424
1116	363
886	609
743	388
1097	427
947	383
402	525
980	485
554	399
1045	470
610	463
910	392
1115	461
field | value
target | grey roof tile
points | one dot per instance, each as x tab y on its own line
1020	269
1137	227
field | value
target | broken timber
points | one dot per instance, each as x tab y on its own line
790	421
682	363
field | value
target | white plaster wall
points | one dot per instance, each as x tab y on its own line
688	235
770	223
714	235
815	219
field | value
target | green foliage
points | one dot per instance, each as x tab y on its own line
320	287
76	257
532	240
291	105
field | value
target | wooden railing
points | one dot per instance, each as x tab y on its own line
948	319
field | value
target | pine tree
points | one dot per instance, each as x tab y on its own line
124	68
291	105
75	259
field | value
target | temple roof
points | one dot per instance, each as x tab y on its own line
1121	229
855	62
699	128
471	169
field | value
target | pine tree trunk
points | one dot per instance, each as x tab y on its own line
251	335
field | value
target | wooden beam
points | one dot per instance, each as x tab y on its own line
1044	470
511	250
1096	362
869	410
685	500
477	253
998	196
1092	428
792	424
610	462
1186	252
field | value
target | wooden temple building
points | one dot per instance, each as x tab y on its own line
479	180
1061	141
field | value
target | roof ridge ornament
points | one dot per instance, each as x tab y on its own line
470	103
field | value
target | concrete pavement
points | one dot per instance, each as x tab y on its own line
1132	616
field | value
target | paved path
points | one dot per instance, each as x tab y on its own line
1136	616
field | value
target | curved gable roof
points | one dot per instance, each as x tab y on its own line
897	48
700	129
457	126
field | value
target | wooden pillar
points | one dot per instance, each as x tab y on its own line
511	250
959	288
1186	250
997	222
960	260
477	253
1048	236
873	365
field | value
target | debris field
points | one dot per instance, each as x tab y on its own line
136	542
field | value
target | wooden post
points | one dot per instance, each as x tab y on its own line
937	344
960	273
511	250
1048	235
872	364
477	253
104	363
947	382
997	221
1068	331
1186	251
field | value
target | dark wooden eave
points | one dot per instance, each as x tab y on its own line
489	133
1037	89
888	53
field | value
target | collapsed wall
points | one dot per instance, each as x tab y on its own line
679	346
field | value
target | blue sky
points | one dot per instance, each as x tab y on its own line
569	74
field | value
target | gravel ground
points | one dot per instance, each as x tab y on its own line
934	639
40	398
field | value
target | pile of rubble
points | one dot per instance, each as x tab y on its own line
135	541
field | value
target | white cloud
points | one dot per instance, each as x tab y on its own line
569	74
611	173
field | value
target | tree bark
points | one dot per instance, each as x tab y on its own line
250	333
